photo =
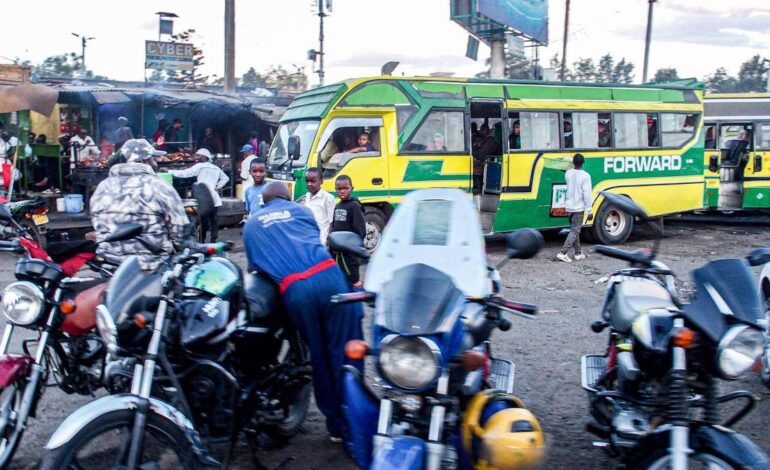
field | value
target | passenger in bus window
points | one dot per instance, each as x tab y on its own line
604	134
364	144
569	140
652	131
738	148
515	138
437	143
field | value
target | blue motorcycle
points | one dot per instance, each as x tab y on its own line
445	401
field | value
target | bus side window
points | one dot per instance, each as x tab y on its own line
441	131
676	129
763	136
586	129
710	142
539	131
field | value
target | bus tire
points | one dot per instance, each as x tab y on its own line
375	224
611	225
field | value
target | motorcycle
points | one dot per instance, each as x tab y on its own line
653	394
45	298
200	352
29	218
446	402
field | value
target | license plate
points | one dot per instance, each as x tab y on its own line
40	219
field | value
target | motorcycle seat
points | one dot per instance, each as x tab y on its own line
262	297
62	251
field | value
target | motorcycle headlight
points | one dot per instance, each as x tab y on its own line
22	303
739	350
107	329
409	362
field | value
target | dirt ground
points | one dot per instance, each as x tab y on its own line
546	351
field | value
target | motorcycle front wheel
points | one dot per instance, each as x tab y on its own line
703	461
10	430
296	412
104	444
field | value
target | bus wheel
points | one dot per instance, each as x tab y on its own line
611	225
375	224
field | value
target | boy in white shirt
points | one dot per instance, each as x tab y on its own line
319	201
579	201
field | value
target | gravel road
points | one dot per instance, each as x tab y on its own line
546	351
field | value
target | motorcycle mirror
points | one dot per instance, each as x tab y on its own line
759	257
625	204
125	232
347	242
524	243
5	214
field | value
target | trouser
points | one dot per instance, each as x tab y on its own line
478	181
326	328
349	266
573	239
210	223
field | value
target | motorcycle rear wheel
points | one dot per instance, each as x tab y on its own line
704	461
10	432
108	437
297	411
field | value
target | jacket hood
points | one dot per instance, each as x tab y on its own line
131	169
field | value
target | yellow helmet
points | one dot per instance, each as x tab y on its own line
500	434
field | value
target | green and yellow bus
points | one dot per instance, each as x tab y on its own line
737	173
641	141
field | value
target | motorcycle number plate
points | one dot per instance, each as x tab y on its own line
40	219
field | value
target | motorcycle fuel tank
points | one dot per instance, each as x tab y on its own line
631	297
215	277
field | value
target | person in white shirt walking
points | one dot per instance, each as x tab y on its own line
319	201
214	179
579	201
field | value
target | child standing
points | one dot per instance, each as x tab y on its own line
319	201
578	202
348	217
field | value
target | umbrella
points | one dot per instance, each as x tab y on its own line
39	98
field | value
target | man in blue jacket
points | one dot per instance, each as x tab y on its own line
282	240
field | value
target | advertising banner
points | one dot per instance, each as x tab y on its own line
529	17
168	55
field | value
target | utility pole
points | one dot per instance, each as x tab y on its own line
83	41
321	15
497	58
563	72
229	46
647	41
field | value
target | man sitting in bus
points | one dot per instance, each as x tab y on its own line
737	150
515	139
364	144
569	140
604	134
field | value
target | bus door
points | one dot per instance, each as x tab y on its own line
489	143
757	173
736	161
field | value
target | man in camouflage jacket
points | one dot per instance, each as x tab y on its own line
134	193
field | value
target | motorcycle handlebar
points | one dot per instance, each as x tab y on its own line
634	257
10	245
352	297
499	302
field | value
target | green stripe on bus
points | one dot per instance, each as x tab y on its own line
429	170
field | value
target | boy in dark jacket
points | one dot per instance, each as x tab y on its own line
348	217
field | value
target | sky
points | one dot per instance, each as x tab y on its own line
694	36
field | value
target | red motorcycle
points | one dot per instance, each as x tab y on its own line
61	309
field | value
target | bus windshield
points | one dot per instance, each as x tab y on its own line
305	130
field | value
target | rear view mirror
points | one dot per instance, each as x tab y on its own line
524	243
759	257
625	204
347	242
293	147
125	232
5	214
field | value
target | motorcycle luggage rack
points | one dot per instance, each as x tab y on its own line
501	375
592	369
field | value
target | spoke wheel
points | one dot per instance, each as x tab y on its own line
696	462
764	371
10	432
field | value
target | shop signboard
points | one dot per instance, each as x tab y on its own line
161	55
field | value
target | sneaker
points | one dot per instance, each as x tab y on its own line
563	257
579	256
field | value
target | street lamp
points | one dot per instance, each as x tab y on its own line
83	41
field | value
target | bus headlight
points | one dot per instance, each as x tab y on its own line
739	350
22	303
409	362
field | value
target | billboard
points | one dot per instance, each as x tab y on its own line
529	17
168	55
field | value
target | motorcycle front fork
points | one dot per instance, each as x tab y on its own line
679	444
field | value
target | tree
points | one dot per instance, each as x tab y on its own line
720	82
584	70
188	77
606	72
666	75
280	78
156	77
252	79
623	72
62	66
752	75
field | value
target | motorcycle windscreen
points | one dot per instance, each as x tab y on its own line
438	228
419	300
724	288
131	290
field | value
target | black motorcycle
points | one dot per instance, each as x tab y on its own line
202	353
30	218
653	395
